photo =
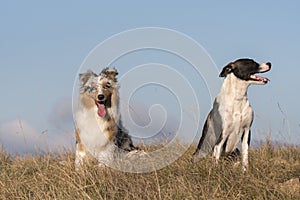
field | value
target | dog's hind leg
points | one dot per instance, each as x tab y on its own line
207	141
80	152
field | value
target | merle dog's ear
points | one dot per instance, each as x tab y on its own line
111	73
226	70
83	78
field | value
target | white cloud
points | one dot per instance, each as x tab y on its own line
19	137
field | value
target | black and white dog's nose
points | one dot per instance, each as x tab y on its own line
269	64
100	97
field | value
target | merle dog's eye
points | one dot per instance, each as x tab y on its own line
107	86
89	89
93	90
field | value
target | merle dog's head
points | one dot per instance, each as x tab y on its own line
247	69
99	88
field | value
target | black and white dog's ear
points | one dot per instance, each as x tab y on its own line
83	78
226	70
111	73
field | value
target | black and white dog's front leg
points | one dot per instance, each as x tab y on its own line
245	147
219	147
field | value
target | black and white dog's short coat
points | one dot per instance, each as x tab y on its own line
231	117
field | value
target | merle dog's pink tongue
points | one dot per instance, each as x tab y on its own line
101	110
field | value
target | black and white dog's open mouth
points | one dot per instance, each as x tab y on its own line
255	77
263	68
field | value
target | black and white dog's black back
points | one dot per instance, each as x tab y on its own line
231	117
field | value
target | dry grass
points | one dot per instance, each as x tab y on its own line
45	177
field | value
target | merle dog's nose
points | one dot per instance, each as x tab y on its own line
269	64
100	97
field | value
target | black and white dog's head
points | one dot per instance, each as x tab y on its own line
247	69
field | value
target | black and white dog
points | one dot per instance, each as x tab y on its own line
231	117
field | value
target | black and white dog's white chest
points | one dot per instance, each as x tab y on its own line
236	116
237	113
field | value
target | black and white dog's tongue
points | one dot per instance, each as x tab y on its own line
101	110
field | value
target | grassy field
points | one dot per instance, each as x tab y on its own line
273	174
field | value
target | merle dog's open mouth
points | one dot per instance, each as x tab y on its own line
100	102
101	108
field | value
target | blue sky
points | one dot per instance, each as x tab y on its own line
43	44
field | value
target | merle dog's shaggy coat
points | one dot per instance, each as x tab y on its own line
99	130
